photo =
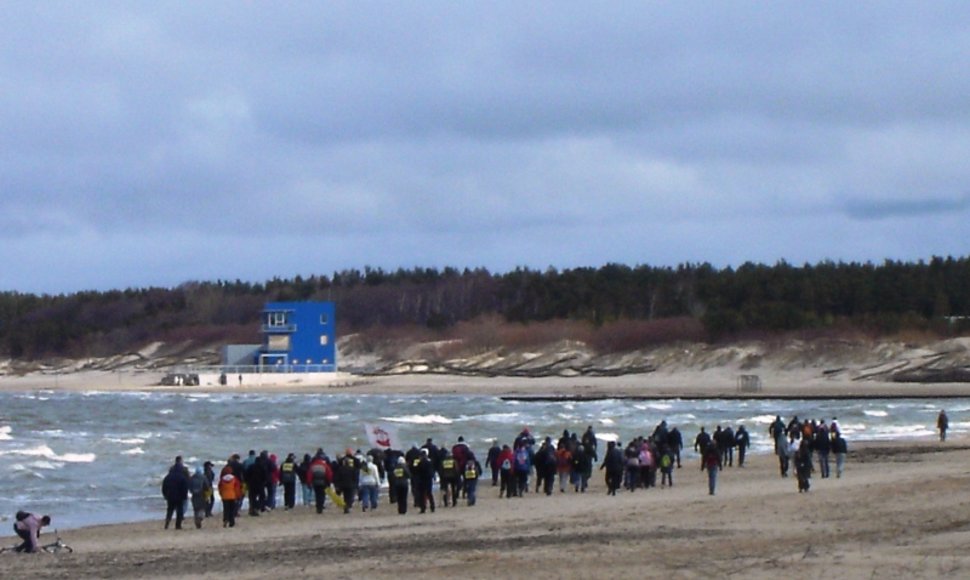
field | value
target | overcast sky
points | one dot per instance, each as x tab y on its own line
154	143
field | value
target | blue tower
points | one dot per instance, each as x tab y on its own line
298	337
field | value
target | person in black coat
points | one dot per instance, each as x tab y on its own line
613	463
743	440
256	475
423	476
175	490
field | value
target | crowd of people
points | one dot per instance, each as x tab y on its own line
355	477
798	442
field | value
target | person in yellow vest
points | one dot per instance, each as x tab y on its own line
450	479
400	481
288	478
473	470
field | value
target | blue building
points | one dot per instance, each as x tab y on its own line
297	337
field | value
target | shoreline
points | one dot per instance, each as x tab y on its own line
845	522
688	385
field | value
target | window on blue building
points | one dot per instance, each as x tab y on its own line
324	319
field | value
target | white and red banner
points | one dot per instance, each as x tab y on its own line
382	436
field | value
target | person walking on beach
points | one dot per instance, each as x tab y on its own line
473	471
711	461
743	440
589	444
613	463
370	479
201	489
306	486
840	448
803	466
823	445
210	475
288	477
175	490
701	442
450	478
564	466
676	442
320	475
666	467
492	461
942	423
423	474
399	482
347	478
230	490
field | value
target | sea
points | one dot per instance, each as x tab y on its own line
98	457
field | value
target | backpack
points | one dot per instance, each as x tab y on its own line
22	515
318	474
470	471
665	461
506	465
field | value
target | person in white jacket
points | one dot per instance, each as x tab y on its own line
369	481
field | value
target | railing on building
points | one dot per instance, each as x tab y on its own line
259	369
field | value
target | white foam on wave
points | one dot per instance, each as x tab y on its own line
608	437
498	417
134	451
420	419
125	441
607	421
166	411
876	413
5	431
762	419
48	453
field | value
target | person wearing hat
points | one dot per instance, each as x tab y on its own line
201	490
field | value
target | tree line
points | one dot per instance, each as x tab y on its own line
725	302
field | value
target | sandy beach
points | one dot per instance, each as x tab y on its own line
713	383
899	511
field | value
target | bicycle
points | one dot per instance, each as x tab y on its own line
55	547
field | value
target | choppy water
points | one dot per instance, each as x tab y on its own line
100	457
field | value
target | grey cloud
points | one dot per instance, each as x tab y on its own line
876	209
474	134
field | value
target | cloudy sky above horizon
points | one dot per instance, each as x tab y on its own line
150	144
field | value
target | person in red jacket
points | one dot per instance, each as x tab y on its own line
504	462
320	475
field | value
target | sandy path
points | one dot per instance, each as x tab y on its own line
901	510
